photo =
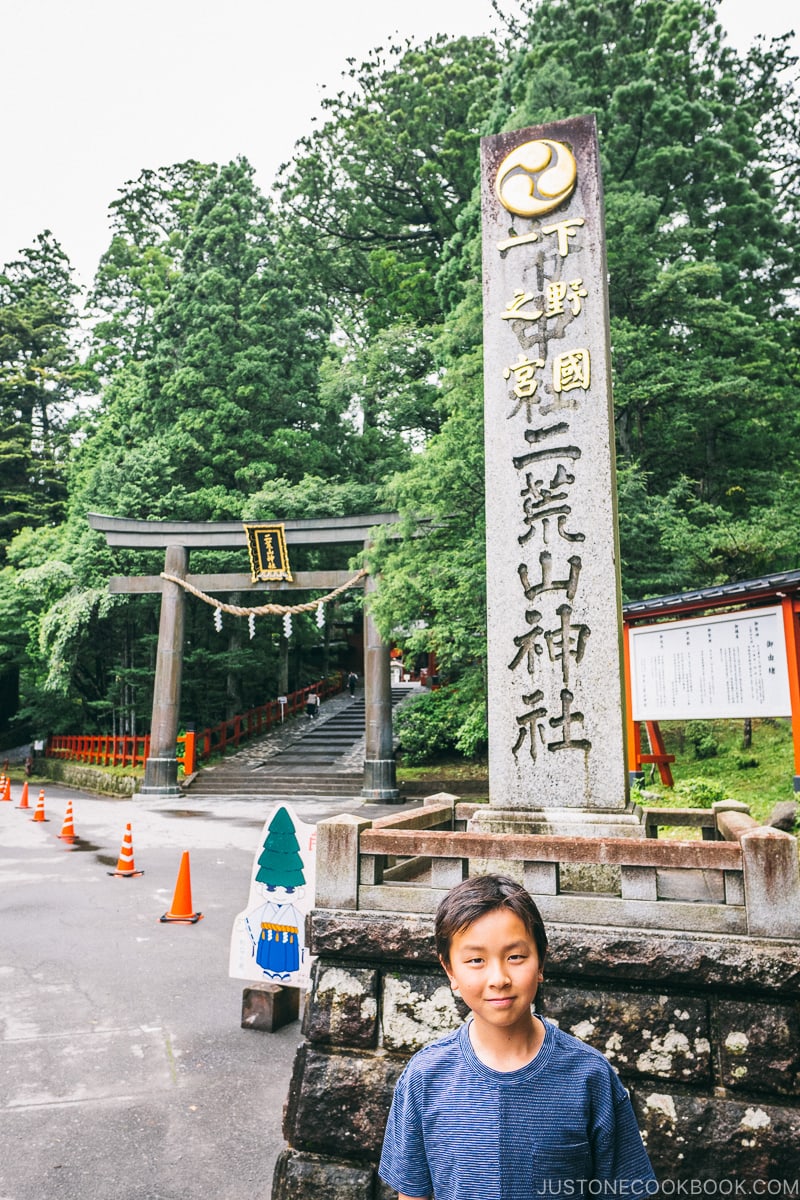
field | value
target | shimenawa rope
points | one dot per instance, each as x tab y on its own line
264	609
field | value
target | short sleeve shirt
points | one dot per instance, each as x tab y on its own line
459	1130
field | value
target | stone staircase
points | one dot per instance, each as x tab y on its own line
305	759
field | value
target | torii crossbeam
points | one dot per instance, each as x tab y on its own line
177	538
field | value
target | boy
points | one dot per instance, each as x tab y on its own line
507	1107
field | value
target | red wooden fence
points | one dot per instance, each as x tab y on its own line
99	749
192	748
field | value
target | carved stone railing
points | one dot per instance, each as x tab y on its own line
748	883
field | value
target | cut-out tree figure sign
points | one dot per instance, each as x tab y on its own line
268	940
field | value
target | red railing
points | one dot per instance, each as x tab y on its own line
193	747
199	746
100	749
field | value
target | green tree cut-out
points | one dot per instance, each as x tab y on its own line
280	864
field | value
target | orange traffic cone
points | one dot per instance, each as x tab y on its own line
125	867
23	800
68	829
6	793
181	910
39	814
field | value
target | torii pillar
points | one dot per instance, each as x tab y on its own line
161	768
380	776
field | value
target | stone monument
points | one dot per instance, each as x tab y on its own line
556	727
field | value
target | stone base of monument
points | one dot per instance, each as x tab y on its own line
560	822
578	878
703	1029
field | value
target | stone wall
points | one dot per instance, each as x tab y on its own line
704	1031
90	779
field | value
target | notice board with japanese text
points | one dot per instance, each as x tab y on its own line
732	665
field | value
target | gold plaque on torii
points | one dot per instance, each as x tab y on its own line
269	559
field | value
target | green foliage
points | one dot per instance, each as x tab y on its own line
312	496
472	739
370	201
453	718
375	191
211	348
67	624
746	762
425	727
761	787
233	374
41	378
392	383
699	793
151	219
700	252
699	248
700	736
223	393
674	542
698	147
697	142
433	591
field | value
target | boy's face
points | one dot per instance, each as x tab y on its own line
495	966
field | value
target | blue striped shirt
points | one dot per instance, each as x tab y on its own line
459	1130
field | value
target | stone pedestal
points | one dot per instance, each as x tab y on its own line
160	778
704	1031
380	781
269	1006
567	822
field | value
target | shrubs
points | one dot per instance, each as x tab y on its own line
699	793
744	762
424	726
449	720
700	736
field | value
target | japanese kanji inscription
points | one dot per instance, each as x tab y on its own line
556	725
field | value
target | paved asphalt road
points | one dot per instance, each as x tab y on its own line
124	1068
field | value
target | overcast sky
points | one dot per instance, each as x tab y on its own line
93	91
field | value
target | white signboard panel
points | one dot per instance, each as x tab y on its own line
268	939
733	665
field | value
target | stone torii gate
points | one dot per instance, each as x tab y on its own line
177	538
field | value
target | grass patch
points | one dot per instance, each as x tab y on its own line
444	766
118	772
760	775
17	776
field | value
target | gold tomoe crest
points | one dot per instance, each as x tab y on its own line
536	177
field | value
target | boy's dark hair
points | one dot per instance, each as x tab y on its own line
474	898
